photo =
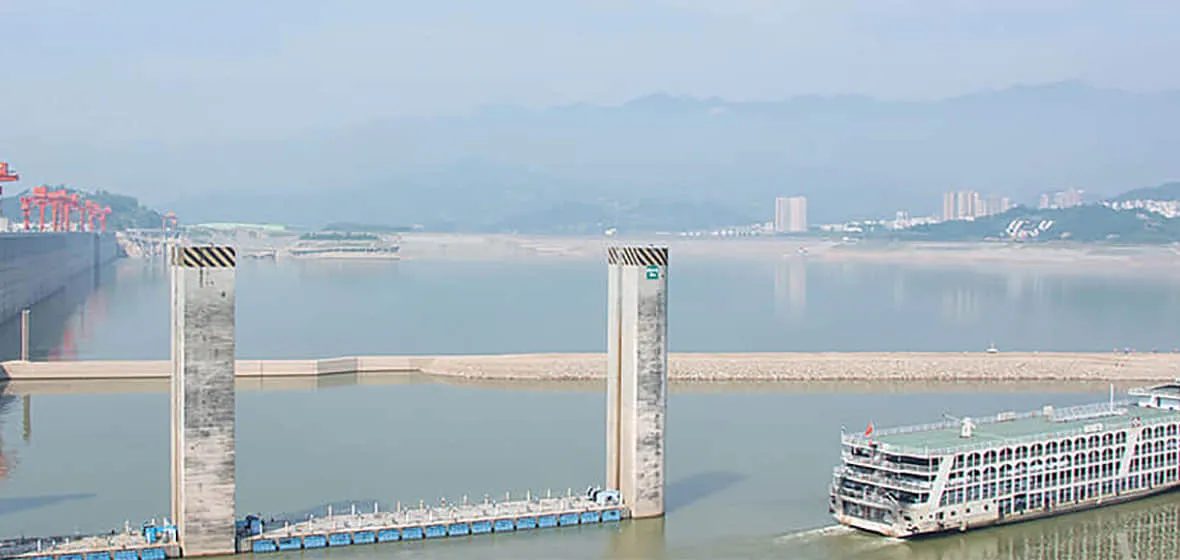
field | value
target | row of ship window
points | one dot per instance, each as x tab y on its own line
1050	480
1062	446
1088	491
1159	448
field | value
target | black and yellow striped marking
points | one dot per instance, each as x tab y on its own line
637	256
209	256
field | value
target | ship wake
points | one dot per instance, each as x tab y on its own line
813	534
834	541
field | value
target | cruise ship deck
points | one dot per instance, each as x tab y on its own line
1011	428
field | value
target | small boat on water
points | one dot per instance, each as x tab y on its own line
346	246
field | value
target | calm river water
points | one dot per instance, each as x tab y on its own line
748	466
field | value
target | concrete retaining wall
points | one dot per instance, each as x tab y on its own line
34	266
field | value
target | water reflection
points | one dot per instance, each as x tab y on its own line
899	291
58	324
436	307
790	288
1138	530
961	303
1148	529
7	456
641	538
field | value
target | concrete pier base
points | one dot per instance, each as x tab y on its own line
637	376
203	398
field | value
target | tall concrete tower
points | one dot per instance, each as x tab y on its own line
637	376
203	398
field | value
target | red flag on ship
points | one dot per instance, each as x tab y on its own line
869	430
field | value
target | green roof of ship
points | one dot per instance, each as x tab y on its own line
1011	429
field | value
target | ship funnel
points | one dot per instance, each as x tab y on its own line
967	428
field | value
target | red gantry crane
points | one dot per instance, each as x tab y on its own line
68	211
40	198
57	203
89	213
102	217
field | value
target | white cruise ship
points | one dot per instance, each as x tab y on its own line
966	473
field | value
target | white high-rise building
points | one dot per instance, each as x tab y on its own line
790	214
964	205
1061	199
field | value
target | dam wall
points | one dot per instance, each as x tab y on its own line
35	265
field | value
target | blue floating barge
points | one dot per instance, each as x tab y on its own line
158	542
152	542
596	507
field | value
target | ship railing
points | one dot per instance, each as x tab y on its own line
1005	442
1158	390
871	497
877	461
1059	415
859	438
914	450
1098	410
894	482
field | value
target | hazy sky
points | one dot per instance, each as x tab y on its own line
147	69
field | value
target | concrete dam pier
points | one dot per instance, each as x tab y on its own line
34	266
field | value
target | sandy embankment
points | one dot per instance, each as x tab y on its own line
900	366
716	368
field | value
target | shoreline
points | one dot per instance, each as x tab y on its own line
33	387
1050	257
682	367
1063	257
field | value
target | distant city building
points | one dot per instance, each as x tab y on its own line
1165	208
995	204
790	214
1061	199
959	205
901	220
968	205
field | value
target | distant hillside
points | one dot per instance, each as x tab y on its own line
1166	191
1090	223
126	211
853	157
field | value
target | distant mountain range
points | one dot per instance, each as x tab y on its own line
668	162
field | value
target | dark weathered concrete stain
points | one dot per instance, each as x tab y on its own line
637	381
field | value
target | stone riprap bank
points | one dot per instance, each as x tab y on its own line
786	366
33	266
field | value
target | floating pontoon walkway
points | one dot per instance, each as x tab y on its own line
402	524
436	522
123	546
